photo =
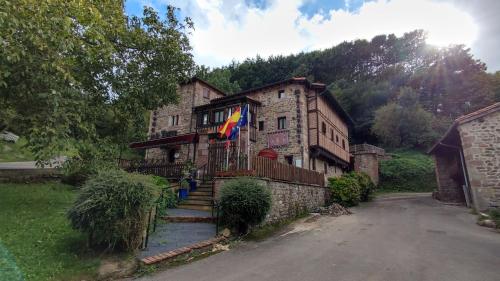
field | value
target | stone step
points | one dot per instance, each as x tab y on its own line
179	219
195	207
203	189
190	201
200	193
200	197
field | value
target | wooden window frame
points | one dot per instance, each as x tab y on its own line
282	123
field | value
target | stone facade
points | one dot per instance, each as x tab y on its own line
161	120
366	160
297	100
292	106
481	147
288	199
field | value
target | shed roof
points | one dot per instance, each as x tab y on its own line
452	131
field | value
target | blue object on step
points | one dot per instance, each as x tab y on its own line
183	193
192	185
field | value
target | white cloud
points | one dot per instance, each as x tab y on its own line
227	30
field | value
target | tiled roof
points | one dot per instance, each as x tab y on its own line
464	119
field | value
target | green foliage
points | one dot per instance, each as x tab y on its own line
12	152
351	188
495	216
366	186
88	161
167	199
244	202
38	236
404	124
112	208
407	171
74	72
345	190
219	77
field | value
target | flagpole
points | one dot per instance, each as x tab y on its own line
227	157
239	146
248	136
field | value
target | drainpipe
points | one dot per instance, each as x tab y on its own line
466	187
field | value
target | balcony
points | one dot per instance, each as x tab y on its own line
277	139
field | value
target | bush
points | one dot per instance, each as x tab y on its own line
168	198
366	185
351	188
112	208
244	202
407	171
345	190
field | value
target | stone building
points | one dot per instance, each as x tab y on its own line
468	160
301	121
366	159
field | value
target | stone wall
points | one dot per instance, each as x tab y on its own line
481	146
366	160
293	106
29	175
288	199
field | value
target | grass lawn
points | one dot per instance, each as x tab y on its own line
14	152
37	236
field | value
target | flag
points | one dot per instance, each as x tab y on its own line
244	117
242	122
232	121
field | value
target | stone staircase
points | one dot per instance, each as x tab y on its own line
201	199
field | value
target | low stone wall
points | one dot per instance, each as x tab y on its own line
288	199
29	175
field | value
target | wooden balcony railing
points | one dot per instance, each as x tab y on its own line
272	169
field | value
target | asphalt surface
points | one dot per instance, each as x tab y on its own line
393	238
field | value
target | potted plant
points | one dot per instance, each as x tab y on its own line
183	190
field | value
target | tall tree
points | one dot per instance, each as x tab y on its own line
67	67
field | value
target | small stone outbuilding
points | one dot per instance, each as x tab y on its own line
468	160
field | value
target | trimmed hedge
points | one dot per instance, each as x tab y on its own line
408	171
112	208
244	202
351	188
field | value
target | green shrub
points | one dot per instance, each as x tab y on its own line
244	202
168	198
113	207
345	190
407	171
366	185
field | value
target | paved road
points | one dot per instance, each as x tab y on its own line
56	162
389	239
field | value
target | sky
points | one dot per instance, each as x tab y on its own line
227	30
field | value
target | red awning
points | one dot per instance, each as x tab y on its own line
268	153
181	139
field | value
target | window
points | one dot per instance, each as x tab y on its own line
323	128
331	134
204	118
171	155
281	123
326	167
337	138
343	144
313	164
206	93
261	125
163	133
219	116
289	159
281	94
229	112
174	120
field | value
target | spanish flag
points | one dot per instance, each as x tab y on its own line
225	129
